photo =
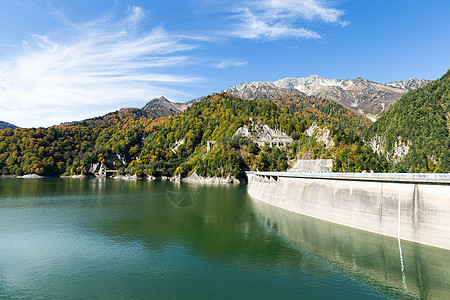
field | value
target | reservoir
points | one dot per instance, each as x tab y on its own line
110	239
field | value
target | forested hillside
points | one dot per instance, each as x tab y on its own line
132	143
323	111
414	134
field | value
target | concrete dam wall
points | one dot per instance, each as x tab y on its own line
409	270
412	207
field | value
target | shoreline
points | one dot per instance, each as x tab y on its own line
193	179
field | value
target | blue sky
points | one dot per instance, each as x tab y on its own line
63	60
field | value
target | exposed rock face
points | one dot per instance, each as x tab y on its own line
263	135
360	95
194	178
410	84
115	161
189	103
177	145
258	89
399	151
97	169
161	107
321	135
4	125
30	176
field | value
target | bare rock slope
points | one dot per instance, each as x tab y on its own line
161	107
361	95
4	125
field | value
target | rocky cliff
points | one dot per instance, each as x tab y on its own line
262	135
260	90
410	84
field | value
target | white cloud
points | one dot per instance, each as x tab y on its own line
228	63
104	63
275	19
309	9
256	27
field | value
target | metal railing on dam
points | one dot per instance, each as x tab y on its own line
413	207
430	178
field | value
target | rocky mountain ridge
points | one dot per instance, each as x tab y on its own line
361	95
162	107
4	125
410	84
154	109
258	89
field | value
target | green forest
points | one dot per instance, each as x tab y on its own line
421	120
135	144
131	142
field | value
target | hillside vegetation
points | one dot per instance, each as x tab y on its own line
132	143
415	133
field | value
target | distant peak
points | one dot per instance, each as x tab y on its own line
315	77
163	107
162	98
360	79
4	125
410	84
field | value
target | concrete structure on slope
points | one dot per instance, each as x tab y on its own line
412	207
313	166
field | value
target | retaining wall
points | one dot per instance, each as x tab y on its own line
416	209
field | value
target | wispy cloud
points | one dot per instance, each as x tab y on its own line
275	19
258	27
309	9
102	64
229	63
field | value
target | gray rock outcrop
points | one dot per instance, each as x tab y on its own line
262	135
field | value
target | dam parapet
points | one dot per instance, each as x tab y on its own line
412	207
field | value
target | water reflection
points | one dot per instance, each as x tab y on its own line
399	267
71	238
184	196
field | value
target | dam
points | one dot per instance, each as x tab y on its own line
410	207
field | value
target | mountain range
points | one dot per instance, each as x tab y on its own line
365	97
413	136
154	109
360	95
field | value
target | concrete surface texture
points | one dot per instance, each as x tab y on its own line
313	166
410	270
404	209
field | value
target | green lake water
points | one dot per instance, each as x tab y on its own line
114	239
